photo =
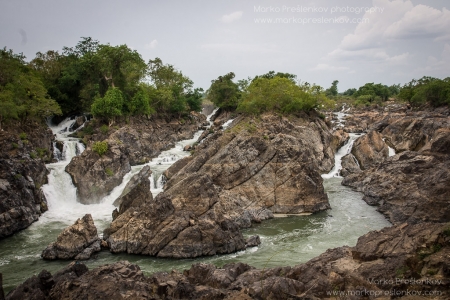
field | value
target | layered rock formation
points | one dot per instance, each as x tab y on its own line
77	241
236	177
404	259
25	150
135	193
95	176
412	186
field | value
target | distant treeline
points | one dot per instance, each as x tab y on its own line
114	81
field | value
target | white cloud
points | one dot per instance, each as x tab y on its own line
151	45
421	22
372	41
231	17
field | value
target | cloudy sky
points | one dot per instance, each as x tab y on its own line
353	41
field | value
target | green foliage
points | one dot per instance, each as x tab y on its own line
15	145
278	94
100	147
194	99
23	136
22	93
140	104
110	106
272	75
33	155
224	93
333	90
109	172
104	129
42	152
427	89
349	92
372	92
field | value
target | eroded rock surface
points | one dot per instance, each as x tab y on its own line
135	193
236	177
25	150
382	261
78	241
136	143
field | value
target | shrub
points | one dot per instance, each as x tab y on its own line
100	147
104	129
109	172
23	136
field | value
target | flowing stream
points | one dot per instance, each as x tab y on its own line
284	241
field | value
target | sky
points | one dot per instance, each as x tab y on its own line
353	41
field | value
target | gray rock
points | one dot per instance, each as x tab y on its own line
77	241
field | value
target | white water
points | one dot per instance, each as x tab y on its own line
61	194
227	124
344	150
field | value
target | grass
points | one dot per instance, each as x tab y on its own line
104	129
23	136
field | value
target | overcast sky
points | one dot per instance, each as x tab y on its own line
353	41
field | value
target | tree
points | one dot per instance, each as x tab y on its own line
110	106
333	90
223	92
277	94
22	93
172	91
140	104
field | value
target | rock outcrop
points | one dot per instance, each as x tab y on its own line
412	186
25	150
78	241
136	143
135	193
236	177
407	187
404	259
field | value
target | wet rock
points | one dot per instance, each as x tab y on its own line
187	148
381	261
26	147
408	187
136	192
253	241
233	180
369	149
350	165
77	241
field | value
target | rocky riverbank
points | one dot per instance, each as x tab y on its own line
25	150
206	202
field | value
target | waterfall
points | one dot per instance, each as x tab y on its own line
344	150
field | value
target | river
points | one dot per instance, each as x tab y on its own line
284	241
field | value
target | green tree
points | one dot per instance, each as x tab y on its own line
22	93
333	90
223	92
140	104
110	106
278	94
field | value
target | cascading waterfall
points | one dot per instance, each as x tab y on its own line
284	241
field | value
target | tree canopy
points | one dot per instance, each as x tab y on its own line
22	93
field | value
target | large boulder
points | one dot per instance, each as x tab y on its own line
135	193
235	178
77	241
370	149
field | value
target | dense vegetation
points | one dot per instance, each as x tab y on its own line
23	95
276	92
114	82
427	90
